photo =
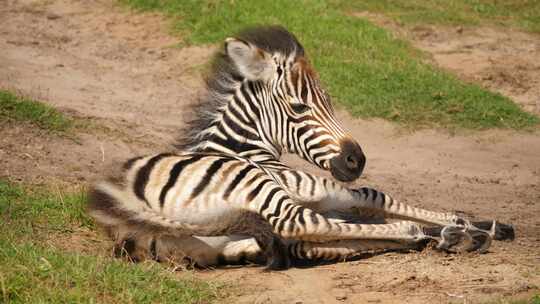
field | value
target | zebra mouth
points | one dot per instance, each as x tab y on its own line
342	176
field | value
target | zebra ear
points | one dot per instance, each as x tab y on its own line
251	62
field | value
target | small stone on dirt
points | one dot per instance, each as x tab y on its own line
53	16
341	296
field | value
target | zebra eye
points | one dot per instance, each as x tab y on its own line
300	108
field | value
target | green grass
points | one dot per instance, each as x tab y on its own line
520	14
13	107
34	214
367	70
534	300
34	270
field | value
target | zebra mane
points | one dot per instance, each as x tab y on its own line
224	76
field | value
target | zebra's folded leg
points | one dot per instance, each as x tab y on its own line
279	258
272	247
346	249
184	251
138	245
274	252
240	251
211	251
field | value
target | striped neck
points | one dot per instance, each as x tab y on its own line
237	127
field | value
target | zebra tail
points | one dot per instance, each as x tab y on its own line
113	206
138	233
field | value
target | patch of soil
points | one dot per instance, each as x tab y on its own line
98	62
32	155
121	71
500	59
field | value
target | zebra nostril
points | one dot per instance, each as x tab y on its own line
352	162
349	164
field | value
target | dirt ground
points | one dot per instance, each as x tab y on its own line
123	73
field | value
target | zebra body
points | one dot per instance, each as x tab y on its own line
226	197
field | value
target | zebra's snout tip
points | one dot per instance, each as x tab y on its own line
350	163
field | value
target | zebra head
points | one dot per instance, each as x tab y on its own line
272	101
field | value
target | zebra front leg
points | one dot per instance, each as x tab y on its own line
292	221
374	199
325	195
457	234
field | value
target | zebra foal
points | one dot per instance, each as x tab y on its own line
226	197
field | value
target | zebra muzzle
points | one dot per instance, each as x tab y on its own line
350	163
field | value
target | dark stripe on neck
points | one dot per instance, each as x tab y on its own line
238	129
312	184
231	144
245	104
235	113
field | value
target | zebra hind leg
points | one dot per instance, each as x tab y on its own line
136	241
272	247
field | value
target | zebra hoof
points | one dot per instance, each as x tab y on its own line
458	239
126	249
503	232
454	239
481	241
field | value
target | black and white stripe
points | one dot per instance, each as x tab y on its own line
210	194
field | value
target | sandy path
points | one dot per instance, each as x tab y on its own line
121	70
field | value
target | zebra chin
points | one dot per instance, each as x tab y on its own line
350	163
